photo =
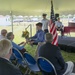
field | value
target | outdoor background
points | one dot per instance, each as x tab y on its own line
19	27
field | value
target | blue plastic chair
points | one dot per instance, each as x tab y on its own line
46	66
19	57
31	63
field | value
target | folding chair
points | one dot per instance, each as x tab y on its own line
19	57
46	67
31	63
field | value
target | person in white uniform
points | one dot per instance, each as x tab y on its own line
45	23
59	26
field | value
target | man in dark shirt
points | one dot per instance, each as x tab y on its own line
52	53
6	67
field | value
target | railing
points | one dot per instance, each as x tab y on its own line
30	29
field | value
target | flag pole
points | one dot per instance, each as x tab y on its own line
53	30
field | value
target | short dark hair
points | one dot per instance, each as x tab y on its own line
9	34
49	37
44	14
39	24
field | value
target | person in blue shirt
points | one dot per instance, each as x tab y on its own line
39	36
20	46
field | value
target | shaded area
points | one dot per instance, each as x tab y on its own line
39	73
67	43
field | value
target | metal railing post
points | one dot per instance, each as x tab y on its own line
30	29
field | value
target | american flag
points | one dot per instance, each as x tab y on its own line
52	26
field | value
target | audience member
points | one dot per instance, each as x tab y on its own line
52	53
3	34
6	67
39	36
45	23
10	36
59	26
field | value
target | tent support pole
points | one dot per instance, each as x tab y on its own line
11	20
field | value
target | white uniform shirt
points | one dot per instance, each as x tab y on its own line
45	23
58	24
2	37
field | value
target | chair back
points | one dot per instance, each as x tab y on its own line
46	66
30	60
17	53
19	57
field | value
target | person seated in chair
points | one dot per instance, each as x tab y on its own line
59	26
6	67
10	36
39	36
52	53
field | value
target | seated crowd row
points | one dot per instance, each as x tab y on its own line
47	50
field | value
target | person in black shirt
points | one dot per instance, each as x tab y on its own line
53	54
6	67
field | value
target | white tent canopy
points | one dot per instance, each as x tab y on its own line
36	7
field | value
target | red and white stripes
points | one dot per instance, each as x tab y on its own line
53	31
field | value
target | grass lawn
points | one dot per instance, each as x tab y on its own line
67	56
